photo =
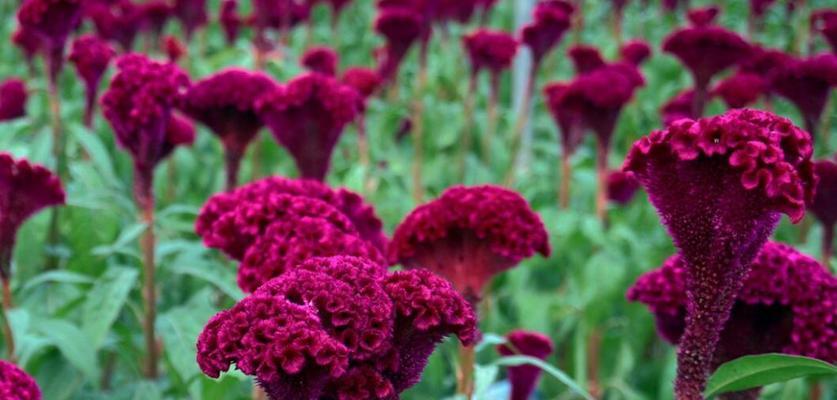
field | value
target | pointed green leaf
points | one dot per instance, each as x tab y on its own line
754	371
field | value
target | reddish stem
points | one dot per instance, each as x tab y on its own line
566	176
52	238
491	128
699	99
827	243
144	196
232	158
601	174
467	134
520	124
418	125
465	375
8	304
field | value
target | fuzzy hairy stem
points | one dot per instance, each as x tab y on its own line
143	193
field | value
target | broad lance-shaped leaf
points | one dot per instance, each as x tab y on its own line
561	376
105	301
755	371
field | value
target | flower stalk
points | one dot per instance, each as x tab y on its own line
144	197
467	132
418	124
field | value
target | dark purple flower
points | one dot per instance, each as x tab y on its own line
91	56
365	80
155	14
468	235
491	50
635	52
524	378
401	27
280	15
678	107
321	59
51	21
759	7
27	188
741	90
119	22
720	185
807	83
230	20
764	61
786	304
16	384
551	20
307	116
824	21
566	109
28	43
586	58
621	187
824	207
192	14
13	97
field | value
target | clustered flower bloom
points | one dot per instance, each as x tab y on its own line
118	21
468	235
741	89
401	27
491	50
230	20
621	187
635	52
192	14
678	107
585	58
365	80
16	384
155	14
524	378
337	327
786	304
27	188
824	207
720	185
13	97
281	15
91	57
807	83
307	116
551	19
321	59
51	21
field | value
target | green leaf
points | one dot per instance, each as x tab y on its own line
179	328
73	344
59	276
97	151
561	376
105	301
754	371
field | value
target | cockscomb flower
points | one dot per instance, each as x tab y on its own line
468	235
586	58
91	57
51	21
825	22
192	14
524	378
740	90
27	188
401	27
230	19
551	20
226	103
155	14
28	43
339	327
119	21
307	116
703	16
678	107
824	207
321	59
174	48
720	185
491	50
635	52
807	83
786	304
566	109
706	50
16	384
365	80
621	187
759	7
13	97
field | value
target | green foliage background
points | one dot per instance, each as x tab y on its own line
78	327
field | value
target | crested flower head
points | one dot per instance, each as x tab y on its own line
321	59
741	89
27	188
551	20
27	42
155	14
524	378
180	131
635	52
678	107
764	62
91	56
119	21
824	207
16	384
807	84
351	329
174	48
230	19
469	234
365	80
13	97
492	50
703	16
51	21
192	14
621	187
567	109
138	104
824	21
307	116
401	27
586	58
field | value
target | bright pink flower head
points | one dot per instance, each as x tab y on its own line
155	14
307	116
824	207
16	384
401	27
91	56
192	14
678	107
321	59
119	21
567	109
174	48
468	235
621	187
27	42
825	22
551	20
230	20
524	378
365	80
13	97
51	21
807	84
180	131
492	50
635	52
139	103
741	90
585	58
26	188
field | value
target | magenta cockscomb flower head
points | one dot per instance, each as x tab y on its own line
91	57
365	80
703	16
635	52
491	50
401	27
824	207
230	20
678	107
119	21
173	47
741	90
226	103
28	43
13	97
339	327
51	21
551	19
786	304
720	185
706	50
155	14
16	384
27	188
192	14
468	235
307	116
824	21
566	109
585	58
621	187
524	378
321	59
807	83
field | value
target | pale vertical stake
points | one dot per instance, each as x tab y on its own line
520	76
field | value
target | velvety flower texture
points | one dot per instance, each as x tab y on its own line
551	19
824	207
155	14
365	80
678	107
635	52
25	189
192	14
321	59
51	21
91	57
524	378
720	185
621	187
118	21
807	83
337	327
786	304
16	384
307	116
741	89
401	27
825	22
567	111
230	19
468	235
13	97
491	50
585	58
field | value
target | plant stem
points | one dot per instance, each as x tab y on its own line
520	124
144	196
467	134
566	176
699	99
617	26
491	127
232	159
90	107
601	175
827	243
52	238
594	345
258	392
465	375
418	125
7	326
365	157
